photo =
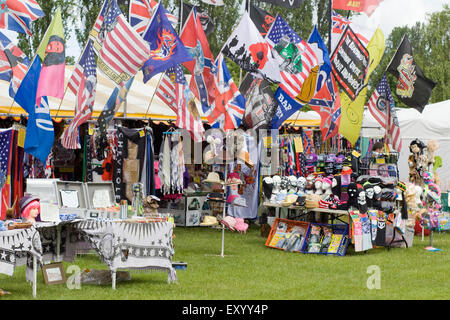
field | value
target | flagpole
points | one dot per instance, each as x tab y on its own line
398	47
331	25
181	17
154	92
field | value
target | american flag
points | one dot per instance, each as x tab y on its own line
292	82
13	64
228	108
121	50
17	15
83	84
339	23
382	107
172	90
141	12
5	151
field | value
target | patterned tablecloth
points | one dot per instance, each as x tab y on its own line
17	247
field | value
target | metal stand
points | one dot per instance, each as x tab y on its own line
113	278
34	276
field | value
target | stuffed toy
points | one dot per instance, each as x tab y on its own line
410	195
432	146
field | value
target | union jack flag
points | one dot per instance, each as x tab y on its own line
202	67
228	108
83	84
141	12
13	64
172	90
17	15
327	104
339	23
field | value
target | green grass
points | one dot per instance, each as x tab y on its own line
251	271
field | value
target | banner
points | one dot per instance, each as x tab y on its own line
286	107
206	21
262	19
260	104
366	6
350	62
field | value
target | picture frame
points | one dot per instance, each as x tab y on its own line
53	273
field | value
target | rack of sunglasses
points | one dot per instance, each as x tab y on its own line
380	164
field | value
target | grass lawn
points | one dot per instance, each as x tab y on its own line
252	271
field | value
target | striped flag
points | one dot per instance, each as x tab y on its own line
141	12
121	50
228	109
307	141
382	107
17	15
172	90
13	64
296	57
83	84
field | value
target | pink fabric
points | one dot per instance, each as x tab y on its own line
240	225
51	82
157	179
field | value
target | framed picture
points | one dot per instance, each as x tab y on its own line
54	273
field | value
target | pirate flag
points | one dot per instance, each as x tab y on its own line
262	19
413	88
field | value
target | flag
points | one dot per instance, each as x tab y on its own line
296	59
261	18
291	4
328	105
17	15
172	90
413	88
287	106
6	141
366	6
382	107
121	50
40	134
206	21
307	141
247	48
260	103
229	105
340	23
13	64
52	52
166	48
141	12
202	67
214	2
320	49
112	105
83	84
352	111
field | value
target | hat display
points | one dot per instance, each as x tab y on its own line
289	200
26	200
213	177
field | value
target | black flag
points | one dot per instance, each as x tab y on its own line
413	88
260	103
261	18
292	4
205	19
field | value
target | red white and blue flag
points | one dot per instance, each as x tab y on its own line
228	108
17	15
202	67
13	64
82	83
327	104
307	141
382	107
172	90
141	12
121	50
339	23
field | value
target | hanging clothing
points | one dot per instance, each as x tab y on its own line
164	165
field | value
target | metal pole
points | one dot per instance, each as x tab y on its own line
331	25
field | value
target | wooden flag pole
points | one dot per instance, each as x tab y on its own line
154	92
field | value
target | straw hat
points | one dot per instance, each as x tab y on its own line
213	177
209	221
289	200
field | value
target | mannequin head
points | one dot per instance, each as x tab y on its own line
30	208
301	184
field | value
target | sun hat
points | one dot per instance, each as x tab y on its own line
289	200
215	196
209	221
233	178
229	222
240	225
213	177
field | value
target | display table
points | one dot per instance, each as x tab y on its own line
19	247
120	244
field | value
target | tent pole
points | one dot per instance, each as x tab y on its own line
154	92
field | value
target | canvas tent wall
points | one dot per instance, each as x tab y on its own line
432	124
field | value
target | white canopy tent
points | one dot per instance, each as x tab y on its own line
432	124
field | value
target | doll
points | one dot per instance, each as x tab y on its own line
30	208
